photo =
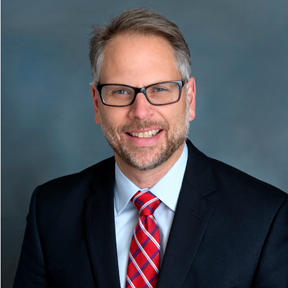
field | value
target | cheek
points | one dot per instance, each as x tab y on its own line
111	119
180	114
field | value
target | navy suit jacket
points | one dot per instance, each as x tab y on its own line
229	230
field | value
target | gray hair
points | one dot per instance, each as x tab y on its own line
141	21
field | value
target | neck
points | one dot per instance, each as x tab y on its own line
148	178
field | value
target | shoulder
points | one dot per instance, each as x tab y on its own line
246	199
59	205
234	187
77	186
245	186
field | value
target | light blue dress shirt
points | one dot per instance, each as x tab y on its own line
167	189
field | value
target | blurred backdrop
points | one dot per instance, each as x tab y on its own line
239	59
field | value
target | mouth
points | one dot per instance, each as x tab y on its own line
145	134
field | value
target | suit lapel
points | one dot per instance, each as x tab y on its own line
194	208
100	230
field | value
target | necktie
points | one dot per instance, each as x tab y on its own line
144	254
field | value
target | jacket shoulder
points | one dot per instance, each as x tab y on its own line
232	185
240	188
77	185
234	176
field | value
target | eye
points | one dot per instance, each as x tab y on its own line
159	89
120	92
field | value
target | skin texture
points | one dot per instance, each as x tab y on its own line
140	60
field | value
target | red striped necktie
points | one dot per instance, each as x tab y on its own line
144	254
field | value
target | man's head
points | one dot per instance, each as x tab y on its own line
145	22
143	135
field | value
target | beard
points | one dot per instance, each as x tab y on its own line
146	158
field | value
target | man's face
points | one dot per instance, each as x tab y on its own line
142	135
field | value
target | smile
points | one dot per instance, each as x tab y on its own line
146	134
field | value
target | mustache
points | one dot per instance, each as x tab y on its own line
143	124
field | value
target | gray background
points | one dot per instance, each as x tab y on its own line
239	58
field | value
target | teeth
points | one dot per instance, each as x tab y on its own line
146	134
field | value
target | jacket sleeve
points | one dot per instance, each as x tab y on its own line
31	270
272	268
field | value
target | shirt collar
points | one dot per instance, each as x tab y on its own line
167	189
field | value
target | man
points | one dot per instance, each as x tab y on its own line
193	221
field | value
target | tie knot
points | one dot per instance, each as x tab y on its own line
145	202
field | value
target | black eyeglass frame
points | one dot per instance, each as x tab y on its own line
137	90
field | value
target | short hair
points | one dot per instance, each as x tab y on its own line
142	21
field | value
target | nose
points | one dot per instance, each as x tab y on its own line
140	108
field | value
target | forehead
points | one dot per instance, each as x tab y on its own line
138	57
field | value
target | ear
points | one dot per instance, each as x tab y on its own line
95	98
191	91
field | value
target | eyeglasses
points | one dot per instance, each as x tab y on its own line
120	95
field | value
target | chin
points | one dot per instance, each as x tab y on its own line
147	159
